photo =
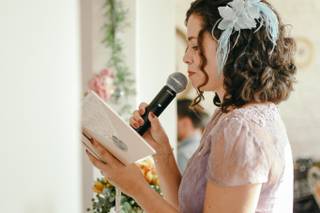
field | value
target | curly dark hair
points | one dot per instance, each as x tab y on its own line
255	70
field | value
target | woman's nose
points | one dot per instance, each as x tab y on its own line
187	58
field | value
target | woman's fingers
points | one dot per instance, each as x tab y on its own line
133	123
96	162
147	136
136	120
138	117
154	121
104	168
86	134
102	151
142	108
105	154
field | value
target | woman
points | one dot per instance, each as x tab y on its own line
239	50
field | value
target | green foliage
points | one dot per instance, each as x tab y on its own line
115	17
103	202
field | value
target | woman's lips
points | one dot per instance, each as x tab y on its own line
190	73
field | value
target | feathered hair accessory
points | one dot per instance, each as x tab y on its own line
239	15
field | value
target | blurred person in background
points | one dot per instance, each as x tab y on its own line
190	125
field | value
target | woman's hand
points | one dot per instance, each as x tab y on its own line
129	179
156	135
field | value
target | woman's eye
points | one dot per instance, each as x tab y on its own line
195	48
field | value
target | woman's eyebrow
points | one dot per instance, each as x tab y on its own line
191	37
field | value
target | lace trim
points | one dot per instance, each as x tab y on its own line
258	113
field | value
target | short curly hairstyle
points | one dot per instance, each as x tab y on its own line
254	71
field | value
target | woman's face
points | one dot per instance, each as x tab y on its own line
193	60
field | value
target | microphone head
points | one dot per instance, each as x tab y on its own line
177	82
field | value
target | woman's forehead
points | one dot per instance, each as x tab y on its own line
194	26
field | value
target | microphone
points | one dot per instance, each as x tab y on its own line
176	83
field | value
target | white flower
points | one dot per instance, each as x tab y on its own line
243	14
239	14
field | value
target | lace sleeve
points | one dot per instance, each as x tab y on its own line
236	156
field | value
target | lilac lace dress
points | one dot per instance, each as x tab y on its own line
245	146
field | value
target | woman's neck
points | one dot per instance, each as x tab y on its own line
220	93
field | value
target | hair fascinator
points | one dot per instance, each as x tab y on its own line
238	15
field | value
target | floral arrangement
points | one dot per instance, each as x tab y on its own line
105	192
114	83
102	84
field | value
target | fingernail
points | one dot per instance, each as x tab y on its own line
141	121
91	141
152	114
86	134
90	138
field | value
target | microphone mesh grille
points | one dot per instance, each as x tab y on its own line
177	82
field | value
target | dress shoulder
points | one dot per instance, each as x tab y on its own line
237	151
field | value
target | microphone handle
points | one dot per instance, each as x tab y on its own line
157	105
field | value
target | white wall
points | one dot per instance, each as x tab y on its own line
39	107
155	55
86	19
301	112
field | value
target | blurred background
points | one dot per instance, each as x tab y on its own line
52	52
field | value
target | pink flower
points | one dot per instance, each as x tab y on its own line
105	72
102	84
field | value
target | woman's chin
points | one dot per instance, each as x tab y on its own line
195	84
198	82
